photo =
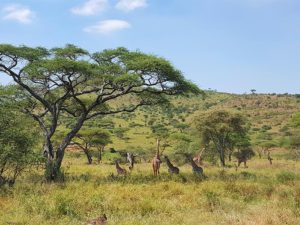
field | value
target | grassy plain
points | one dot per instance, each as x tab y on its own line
261	194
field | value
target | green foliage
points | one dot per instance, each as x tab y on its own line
160	131
120	131
17	140
223	128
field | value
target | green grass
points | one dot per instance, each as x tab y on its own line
261	194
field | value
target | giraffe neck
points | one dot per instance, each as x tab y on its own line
157	152
194	165
117	165
169	164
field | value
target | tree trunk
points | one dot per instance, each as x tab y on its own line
48	149
100	151
52	171
88	155
229	156
221	154
53	165
222	159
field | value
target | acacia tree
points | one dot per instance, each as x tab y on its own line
219	127
83	85
99	141
87	138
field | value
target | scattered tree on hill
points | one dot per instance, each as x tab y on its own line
102	139
78	84
87	138
219	127
266	145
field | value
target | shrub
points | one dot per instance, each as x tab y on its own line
17	143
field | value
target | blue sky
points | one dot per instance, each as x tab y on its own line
227	45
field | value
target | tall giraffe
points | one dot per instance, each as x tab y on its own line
156	160
130	158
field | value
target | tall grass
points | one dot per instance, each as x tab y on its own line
260	194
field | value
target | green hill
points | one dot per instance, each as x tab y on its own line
269	115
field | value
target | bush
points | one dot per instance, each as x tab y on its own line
17	141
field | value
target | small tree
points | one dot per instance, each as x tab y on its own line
100	140
219	127
88	137
73	82
17	141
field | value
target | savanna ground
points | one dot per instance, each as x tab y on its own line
260	194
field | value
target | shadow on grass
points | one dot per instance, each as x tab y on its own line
138	178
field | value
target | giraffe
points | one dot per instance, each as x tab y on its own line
270	158
242	160
156	160
120	170
130	158
172	169
198	158
102	220
196	169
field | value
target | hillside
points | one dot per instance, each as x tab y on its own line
269	116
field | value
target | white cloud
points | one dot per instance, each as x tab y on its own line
18	13
107	27
90	7
129	5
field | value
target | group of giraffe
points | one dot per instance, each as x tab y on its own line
156	161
